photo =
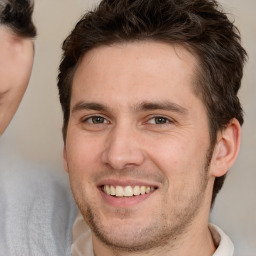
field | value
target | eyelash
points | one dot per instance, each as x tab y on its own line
96	117
163	120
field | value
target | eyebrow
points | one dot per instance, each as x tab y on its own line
89	106
166	105
144	106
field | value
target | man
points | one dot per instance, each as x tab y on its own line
16	55
152	124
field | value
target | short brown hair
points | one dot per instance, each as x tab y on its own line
199	25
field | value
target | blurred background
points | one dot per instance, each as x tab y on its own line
34	135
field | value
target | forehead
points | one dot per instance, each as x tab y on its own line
7	35
146	70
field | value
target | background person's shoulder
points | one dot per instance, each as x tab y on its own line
37	210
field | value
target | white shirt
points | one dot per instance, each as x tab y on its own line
82	240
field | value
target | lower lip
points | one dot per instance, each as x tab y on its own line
124	202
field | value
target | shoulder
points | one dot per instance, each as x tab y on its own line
37	211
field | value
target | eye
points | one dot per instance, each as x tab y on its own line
96	120
159	120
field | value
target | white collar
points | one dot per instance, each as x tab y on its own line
225	245
82	238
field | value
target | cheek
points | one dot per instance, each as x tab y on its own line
15	70
82	160
13	86
22	77
170	154
180	160
83	154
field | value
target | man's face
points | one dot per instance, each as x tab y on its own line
137	131
16	58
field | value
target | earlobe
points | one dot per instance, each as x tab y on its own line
65	159
226	148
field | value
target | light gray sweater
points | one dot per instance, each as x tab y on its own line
37	212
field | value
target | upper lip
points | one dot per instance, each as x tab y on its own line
124	183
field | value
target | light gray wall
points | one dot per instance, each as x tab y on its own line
34	135
235	208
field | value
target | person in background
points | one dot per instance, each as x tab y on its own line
17	33
152	124
36	208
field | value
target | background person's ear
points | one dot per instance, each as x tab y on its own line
226	148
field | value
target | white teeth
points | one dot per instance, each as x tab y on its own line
119	191
112	190
136	190
142	190
127	191
107	190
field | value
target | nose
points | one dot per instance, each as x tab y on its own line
123	149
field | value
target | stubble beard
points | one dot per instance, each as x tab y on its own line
157	235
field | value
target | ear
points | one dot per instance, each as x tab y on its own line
65	163
226	148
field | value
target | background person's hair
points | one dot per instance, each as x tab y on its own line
17	15
199	25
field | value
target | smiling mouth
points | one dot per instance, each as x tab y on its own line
126	191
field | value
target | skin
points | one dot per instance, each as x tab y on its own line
16	59
130	86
